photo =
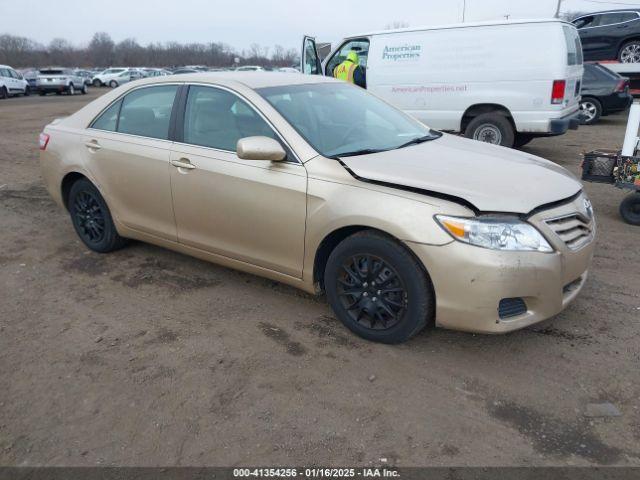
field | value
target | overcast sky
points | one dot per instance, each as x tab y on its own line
240	23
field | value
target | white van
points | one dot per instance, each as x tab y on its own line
502	82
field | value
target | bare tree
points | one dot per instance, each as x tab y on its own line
100	51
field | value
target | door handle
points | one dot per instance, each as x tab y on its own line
93	145
183	163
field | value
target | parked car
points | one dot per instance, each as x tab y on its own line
30	75
155	72
111	77
87	75
12	83
501	82
318	184
610	35
288	70
250	68
59	80
603	92
180	71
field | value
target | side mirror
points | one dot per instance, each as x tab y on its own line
260	148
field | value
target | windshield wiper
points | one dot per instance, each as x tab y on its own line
364	151
417	140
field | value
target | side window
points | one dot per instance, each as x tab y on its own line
14	74
610	19
628	16
311	62
4	73
109	119
584	22
218	119
361	47
147	112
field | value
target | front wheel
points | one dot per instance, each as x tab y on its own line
630	52
591	111
491	128
92	219
630	209
27	91
3	93
378	289
71	90
97	83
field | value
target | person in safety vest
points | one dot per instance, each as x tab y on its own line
351	71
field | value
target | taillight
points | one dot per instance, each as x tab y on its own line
557	92
43	141
622	86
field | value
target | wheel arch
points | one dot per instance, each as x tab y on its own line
482	108
623	42
67	182
331	241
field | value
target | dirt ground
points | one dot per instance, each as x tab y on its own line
148	357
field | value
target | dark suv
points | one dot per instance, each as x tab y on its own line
610	35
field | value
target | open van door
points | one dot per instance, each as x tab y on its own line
310	60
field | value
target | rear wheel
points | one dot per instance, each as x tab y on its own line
27	91
84	89
113	84
491	128
591	111
378	289
630	52
92	219
630	209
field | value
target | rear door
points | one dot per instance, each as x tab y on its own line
574	68
310	63
127	151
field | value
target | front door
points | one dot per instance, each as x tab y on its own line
251	211
310	63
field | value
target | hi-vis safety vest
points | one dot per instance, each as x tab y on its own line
345	71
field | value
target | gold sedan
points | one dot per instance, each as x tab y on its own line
323	186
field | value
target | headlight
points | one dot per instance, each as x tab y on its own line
495	233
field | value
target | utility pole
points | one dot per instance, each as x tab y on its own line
464	8
557	15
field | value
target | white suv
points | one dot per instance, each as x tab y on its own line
12	83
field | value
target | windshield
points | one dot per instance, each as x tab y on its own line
338	119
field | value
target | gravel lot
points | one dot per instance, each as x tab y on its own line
149	357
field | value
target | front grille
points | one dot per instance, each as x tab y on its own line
511	307
572	230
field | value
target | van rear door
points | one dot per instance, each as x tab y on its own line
574	67
310	63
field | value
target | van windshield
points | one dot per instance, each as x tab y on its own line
338	119
574	46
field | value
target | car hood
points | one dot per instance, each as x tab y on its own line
491	178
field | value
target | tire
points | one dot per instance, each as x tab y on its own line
71	90
97	83
630	52
3	93
42	93
591	111
491	128
27	91
113	84
92	219
522	139
84	89
363	307
630	209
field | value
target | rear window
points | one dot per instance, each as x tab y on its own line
51	71
574	47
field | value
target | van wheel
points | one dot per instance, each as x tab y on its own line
591	111
378	289
92	219
522	139
491	128
630	209
630	52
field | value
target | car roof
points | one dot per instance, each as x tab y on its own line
488	23
249	79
